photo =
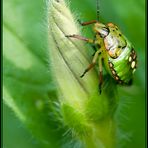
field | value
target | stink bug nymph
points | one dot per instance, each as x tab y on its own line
112	48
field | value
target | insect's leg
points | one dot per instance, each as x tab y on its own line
80	38
87	23
100	75
94	48
92	64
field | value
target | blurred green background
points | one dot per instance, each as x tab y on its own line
30	25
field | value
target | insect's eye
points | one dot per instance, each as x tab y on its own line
104	31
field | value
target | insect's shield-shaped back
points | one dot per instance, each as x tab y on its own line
84	111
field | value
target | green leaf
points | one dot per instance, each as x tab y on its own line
58	107
28	88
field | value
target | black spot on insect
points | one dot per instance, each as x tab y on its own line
133	54
113	30
123	47
119	46
116	55
120	34
133	51
99	46
116	28
100	35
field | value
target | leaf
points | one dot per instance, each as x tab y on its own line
42	83
28	88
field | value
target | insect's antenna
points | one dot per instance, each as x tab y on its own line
98	11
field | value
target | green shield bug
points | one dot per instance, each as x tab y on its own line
113	49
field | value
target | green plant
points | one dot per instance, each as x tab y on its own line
57	102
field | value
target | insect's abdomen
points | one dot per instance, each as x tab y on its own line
123	67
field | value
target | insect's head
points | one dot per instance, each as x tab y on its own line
101	29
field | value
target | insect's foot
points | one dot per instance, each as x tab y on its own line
100	89
82	76
79	21
93	54
130	82
68	36
84	73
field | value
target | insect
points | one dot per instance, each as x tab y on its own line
111	48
